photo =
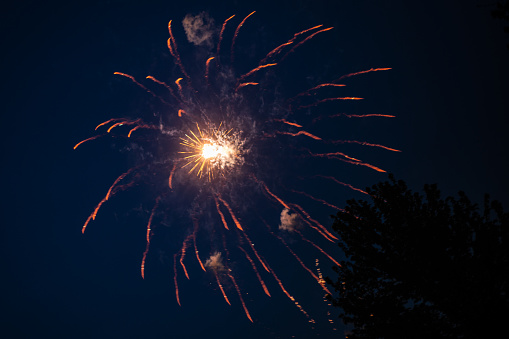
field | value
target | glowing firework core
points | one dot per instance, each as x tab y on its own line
216	150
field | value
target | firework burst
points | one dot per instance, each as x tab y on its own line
223	139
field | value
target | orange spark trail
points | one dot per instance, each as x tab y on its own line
165	85
362	72
287	122
220	213
108	195
305	40
240	295
139	127
177	82
256	271
108	121
342	183
194	243
256	253
183	254
316	199
244	84
236	34
300	133
318	248
89	139
221	35
207	65
254	70
271	194
353	116
290	296
307	92
363	115
148	236
363	143
300	261
319	227
171	175
180	112
221	288
353	161
121	123
136	82
289	42
172	46
175	278
328	99
235	220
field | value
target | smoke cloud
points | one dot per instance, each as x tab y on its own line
289	222
215	262
199	29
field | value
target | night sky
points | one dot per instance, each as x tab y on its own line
447	88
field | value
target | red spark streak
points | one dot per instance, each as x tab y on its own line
235	220
194	243
317	247
271	194
207	65
289	42
89	139
220	213
256	253
183	254
353	161
307	92
139	127
363	143
328	99
304	41
174	52
362	72
108	195
287	122
240	295
251	72
319	227
171	176
342	183
165	85
148	236
244	84
236	34
221	34
221	288
316	199
300	261
108	121
300	133
175	278
256	271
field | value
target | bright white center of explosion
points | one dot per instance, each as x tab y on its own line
220	155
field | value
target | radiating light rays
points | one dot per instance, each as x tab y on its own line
213	165
211	152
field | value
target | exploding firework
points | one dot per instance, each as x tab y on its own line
222	148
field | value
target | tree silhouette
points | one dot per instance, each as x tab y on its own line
418	266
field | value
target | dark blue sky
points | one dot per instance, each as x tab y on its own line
448	88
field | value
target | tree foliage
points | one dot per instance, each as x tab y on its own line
419	266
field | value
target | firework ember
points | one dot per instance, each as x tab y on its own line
222	147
